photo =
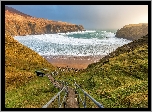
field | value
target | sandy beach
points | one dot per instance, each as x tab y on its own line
78	62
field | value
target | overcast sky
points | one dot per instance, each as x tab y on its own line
90	16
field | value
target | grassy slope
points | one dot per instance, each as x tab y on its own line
22	87
119	80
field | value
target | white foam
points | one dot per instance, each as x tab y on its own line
61	44
78	32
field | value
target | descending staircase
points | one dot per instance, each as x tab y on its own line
71	98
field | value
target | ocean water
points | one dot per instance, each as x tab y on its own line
85	43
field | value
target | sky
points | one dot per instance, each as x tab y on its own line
90	16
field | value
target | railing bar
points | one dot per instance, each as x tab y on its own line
63	100
78	96
85	100
97	103
45	106
79	87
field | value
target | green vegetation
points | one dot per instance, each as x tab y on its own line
34	94
119	80
21	63
22	87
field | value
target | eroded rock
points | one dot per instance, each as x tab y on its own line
133	31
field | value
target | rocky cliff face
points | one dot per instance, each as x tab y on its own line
17	23
133	31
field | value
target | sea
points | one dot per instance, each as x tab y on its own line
82	43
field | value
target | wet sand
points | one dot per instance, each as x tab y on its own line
78	62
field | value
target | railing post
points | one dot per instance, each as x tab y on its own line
59	100
78	97
85	96
64	104
77	92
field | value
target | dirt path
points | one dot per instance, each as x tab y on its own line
71	101
54	82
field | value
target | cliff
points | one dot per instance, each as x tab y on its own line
133	31
10	9
18	23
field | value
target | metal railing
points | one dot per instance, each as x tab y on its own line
77	88
64	89
85	95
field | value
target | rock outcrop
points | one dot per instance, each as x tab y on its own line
17	23
133	31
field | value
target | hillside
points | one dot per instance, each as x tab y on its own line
122	81
21	81
133	31
19	58
23	89
21	62
119	80
17	23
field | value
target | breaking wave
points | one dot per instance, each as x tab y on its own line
85	43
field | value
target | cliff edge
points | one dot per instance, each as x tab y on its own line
18	23
133	31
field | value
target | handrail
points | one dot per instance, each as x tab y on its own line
57	95
86	94
79	97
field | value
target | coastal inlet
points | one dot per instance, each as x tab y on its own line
73	49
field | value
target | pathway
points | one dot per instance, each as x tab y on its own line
71	98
